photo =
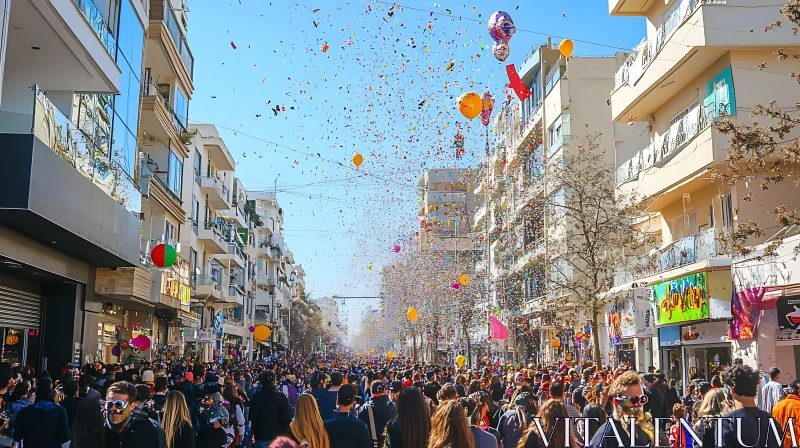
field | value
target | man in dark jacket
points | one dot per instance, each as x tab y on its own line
44	424
382	409
655	403
269	411
345	430
125	428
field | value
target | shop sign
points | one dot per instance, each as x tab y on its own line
185	294
644	320
788	318
669	336
683	299
206	337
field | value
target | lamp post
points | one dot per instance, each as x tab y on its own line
278	323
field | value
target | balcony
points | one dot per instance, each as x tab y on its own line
215	189
628	7
131	284
233	257
235	296
236	214
211	235
480	215
217	151
160	121
153	184
687	44
175	54
63	170
208	286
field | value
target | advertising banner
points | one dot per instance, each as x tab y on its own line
644	321
683	299
788	318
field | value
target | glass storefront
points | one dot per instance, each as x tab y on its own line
20	346
705	362
672	363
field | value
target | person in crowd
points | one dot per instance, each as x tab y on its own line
789	409
481	438
677	434
460	385
126	428
447	392
712	406
210	416
176	421
746	425
655	397
71	390
344	429
772	393
377	412
411	426
89	429
236	428
395	387
671	395
496	388
578	399
307	427
326	399
144	405
557	393
627	398
43	424
450	428
717	383
595	416
269	411
17	401
551	416
160	397
515	421
432	387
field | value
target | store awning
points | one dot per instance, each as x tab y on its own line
190	320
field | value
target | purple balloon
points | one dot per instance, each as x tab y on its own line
501	27
115	350
252	328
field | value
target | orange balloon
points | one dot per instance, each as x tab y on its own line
358	159
566	47
262	333
470	105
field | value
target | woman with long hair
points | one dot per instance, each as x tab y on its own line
236	427
411	426
306	426
588	428
713	405
480	436
450	428
552	415
89	429
176	421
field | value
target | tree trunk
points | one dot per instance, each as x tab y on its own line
469	352
596	337
414	347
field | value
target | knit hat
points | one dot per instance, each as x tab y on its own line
148	376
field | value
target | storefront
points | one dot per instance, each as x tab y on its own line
669	339
706	350
630	328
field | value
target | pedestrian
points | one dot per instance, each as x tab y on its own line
480	436
176	421
17	401
557	393
593	416
326	399
450	428
346	430
515	421
144	404
787	410
209	414
772	393
460	385
126	428
447	392
627	398
89	429
550	416
712	406
307	427
655	397
377	413
677	434
269	411
411	426
746	425
160	397
236	427
44	424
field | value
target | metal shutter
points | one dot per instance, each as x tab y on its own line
20	309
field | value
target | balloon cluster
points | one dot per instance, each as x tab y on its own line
501	28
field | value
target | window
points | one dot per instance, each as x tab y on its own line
711	215
175	174
163	90
195	214
181	110
721	94
192	262
198	164
682	114
727	211
170	234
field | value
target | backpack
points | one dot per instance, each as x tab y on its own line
206	412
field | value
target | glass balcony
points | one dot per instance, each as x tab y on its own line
160	10
99	25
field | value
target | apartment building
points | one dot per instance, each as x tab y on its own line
568	107
445	205
66	152
275	272
697	62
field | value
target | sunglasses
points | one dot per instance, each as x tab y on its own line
115	404
635	400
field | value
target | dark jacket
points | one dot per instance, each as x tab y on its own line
42	425
139	432
269	414
70	404
211	438
346	431
394	438
326	402
606	438
184	438
655	402
382	411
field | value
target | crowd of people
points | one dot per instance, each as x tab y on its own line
326	402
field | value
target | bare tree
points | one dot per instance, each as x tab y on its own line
589	236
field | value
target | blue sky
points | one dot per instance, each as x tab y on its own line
381	89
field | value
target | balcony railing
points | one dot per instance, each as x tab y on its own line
679	133
638	61
209	279
151	90
161	10
99	25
